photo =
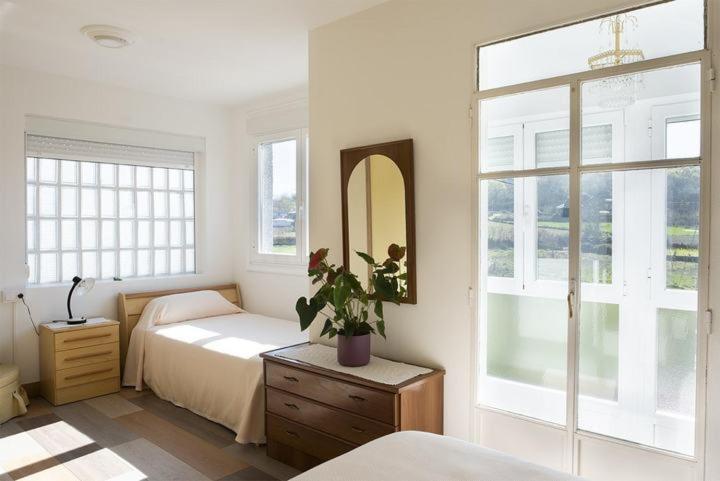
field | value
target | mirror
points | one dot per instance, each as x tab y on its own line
378	207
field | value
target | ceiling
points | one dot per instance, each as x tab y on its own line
226	52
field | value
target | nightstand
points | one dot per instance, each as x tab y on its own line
314	414
79	362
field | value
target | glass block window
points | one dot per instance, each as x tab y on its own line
107	220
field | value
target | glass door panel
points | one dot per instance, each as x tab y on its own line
637	342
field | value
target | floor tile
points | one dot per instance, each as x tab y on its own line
249	474
9	428
113	405
55	435
20	454
104	431
156	463
103	465
52	473
130	393
198	453
38	407
214	433
257	457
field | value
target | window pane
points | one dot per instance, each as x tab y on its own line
175	261
189	204
143	263
553	221
683	228
143	204
48	267
125	175
160	233
47	170
69	266
501	228
188	179
525	131
108	264
88	203
48	200
638	323
278	189
174	179
159	178
160	262
68	172
143	233
127	233
127	264
107	202
176	205
30	239
69	201
126	204
175	233
30	199
89	264
30	170
108	234
143	177
88	173
69	234
107	175
638	108
160	207
596	228
189	260
189	233
48	235
88	234
567	49
32	268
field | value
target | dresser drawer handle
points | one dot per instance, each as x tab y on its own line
87	356
90	373
291	379
356	398
87	338
292	433
357	429
292	406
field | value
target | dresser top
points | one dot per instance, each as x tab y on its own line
408	374
64	326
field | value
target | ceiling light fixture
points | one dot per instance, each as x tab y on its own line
107	35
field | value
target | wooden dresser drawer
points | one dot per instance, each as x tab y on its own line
86	391
73	339
87	355
351	397
304	439
352	428
86	374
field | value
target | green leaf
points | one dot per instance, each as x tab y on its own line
379	309
326	328
332	333
342	292
383	287
307	311
381	328
366	257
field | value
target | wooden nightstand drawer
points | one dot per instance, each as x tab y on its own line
87	391
352	428
304	439
72	339
87	374
351	397
87	355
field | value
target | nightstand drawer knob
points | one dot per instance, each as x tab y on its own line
357	429
291	378
87	356
89	373
292	406
87	338
356	398
292	433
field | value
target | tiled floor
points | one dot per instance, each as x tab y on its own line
127	436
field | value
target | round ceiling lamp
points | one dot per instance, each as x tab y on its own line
107	36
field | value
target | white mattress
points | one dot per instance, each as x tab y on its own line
212	367
416	456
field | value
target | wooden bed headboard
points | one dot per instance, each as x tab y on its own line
130	306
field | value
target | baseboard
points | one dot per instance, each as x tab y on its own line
32	389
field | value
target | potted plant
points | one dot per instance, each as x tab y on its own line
346	305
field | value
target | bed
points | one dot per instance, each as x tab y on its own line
208	365
419	456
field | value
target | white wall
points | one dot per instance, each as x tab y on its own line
24	92
406	69
265	292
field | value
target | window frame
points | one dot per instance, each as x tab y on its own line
280	263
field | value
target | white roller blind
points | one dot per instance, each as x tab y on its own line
73	149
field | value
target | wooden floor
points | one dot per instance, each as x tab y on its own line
127	436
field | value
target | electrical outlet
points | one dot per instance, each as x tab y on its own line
10	294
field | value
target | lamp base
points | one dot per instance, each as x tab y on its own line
73	321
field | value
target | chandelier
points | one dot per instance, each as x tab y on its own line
620	91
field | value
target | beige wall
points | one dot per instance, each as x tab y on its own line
423	50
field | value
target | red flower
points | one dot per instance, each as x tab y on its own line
396	252
317	257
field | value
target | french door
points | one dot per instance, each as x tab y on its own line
592	269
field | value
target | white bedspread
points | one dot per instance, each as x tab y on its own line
211	366
416	456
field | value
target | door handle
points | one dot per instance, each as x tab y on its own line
570	302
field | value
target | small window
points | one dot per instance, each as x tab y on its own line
281	215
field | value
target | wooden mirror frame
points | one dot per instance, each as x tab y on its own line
400	152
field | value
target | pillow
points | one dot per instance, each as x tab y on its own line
187	306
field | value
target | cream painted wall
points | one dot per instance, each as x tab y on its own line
25	92
424	52
267	292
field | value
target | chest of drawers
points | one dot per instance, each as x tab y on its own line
79	362
315	414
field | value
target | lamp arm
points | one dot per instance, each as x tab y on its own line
75	283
